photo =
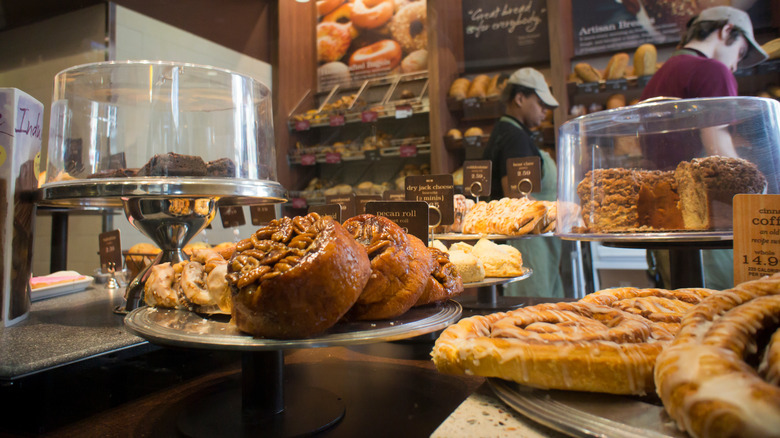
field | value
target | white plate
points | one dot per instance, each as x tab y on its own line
56	290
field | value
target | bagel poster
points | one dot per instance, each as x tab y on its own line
608	25
364	39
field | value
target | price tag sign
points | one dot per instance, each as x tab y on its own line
369	116
110	249
616	85
756	236
474	141
524	176
333	157
347	203
403	111
408	150
373	155
299	203
477	177
332	210
336	120
302	125
412	216
262	214
362	200
308	160
588	87
394	195
438	191
471	108
232	216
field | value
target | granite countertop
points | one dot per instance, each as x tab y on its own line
63	330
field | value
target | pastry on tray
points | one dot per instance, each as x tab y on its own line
400	268
721	374
444	282
295	278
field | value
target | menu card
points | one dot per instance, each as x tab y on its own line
232	216
347	203
756	236
362	200
477	177
524	176
110	249
332	210
412	216
262	214
438	191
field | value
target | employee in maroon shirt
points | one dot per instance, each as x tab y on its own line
717	42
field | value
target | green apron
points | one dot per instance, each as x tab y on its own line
542	254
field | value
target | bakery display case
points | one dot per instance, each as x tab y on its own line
665	170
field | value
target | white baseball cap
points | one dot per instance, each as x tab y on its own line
531	78
740	19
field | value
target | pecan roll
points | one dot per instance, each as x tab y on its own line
400	268
445	281
296	278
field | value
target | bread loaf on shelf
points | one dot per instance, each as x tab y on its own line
479	86
645	59
587	72
459	88
616	67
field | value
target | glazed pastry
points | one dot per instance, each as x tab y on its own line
158	288
296	278
706	379
409	26
445	281
400	267
571	346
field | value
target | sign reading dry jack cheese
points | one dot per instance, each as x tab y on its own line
438	191
756	236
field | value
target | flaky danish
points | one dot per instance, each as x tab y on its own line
400	268
574	346
296	277
445	281
706	377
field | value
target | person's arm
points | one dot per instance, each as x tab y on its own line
717	141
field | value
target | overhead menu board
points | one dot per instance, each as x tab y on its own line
501	33
602	26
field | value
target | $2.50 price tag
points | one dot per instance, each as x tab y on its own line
756	236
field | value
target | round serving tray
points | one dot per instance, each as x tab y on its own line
495	281
460	237
109	192
672	237
182	328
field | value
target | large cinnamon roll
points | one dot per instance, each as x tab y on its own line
400	268
296	278
573	346
719	376
444	283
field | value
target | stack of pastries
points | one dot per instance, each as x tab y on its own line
297	277
713	357
511	216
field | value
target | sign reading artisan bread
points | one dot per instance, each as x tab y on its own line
501	33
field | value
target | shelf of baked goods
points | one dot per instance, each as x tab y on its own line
371	148
475	137
396	97
477	98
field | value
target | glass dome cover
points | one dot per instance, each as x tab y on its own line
158	119
665	169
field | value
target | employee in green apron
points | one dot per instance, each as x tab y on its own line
527	97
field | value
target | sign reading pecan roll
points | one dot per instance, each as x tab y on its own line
400	268
445	281
295	278
574	346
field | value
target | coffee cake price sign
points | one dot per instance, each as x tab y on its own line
477	177
412	216
524	176
347	203
332	210
438	191
756	236
262	214
232	216
110	248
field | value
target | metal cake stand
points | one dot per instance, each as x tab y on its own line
263	404
170	211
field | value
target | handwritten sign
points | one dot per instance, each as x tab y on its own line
477	177
412	216
524	176
110	249
308	160
369	116
302	125
503	33
393	195
262	214
232	216
408	150
362	200
756	236
438	191
332	157
336	120
347	203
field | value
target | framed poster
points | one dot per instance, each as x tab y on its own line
602	26
501	33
